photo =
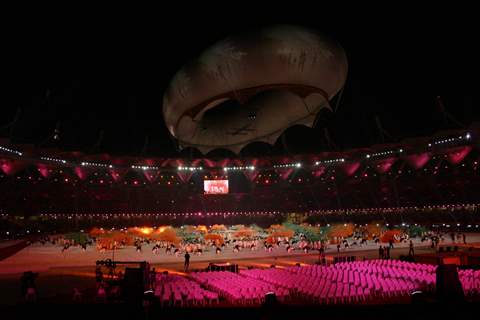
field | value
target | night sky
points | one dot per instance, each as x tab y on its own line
109	73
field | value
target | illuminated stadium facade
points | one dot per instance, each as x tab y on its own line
380	176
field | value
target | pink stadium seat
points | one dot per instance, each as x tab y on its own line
373	281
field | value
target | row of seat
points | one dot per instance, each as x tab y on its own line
175	290
470	280
239	290
373	281
327	285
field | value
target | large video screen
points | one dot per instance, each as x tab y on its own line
215	186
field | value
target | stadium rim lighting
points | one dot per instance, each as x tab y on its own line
238	168
11	151
181	168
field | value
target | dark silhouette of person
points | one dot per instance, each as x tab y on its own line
448	287
410	250
464	238
98	275
153	277
187	261
28	285
321	254
380	252
267	310
24	284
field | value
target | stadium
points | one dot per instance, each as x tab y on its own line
265	180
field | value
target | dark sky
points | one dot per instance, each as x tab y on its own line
108	72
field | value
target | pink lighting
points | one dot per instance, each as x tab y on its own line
456	155
319	172
185	175
251	174
417	161
11	167
284	174
350	167
151	175
44	170
117	174
385	165
81	172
